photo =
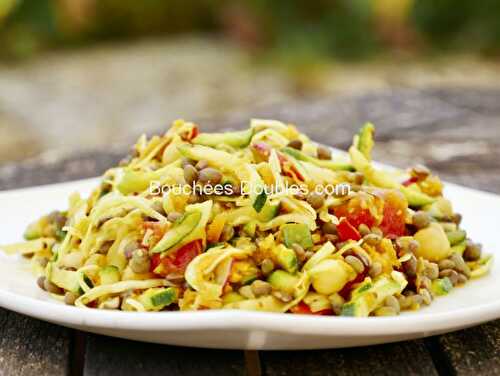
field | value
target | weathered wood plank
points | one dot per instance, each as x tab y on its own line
474	351
112	356
33	347
465	151
481	100
332	121
50	171
406	358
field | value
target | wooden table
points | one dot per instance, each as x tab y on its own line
453	131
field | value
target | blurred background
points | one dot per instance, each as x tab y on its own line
90	74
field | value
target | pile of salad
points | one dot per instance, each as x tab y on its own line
260	219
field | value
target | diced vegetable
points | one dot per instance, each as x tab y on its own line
441	286
286	258
347	231
155	299
393	221
243	272
369	296
318	303
215	229
109	275
296	233
330	276
260	201
250	227
455	237
268	211
178	261
459	247
232	297
440	208
284	281
434	245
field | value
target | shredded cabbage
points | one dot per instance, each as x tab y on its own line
278	236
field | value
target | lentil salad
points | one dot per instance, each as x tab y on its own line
378	243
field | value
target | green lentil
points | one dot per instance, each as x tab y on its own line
472	251
267	266
296	144
315	200
209	175
329	228
324	153
190	174
421	220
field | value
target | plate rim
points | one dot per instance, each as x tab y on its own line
409	323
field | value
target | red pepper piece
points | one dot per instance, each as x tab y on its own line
347	231
410	181
179	261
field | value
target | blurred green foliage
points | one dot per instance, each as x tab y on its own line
464	24
292	30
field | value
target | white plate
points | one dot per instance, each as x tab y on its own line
477	302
